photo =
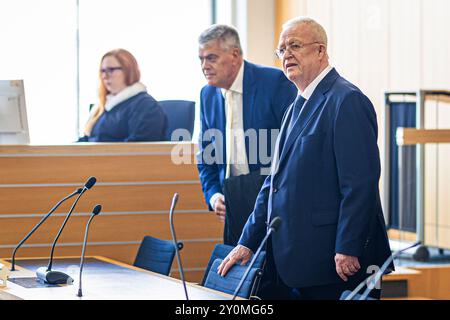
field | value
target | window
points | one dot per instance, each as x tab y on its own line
39	45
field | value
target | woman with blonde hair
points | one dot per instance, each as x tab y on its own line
125	112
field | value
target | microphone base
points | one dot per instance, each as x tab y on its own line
53	277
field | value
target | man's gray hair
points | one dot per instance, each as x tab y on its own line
318	31
227	36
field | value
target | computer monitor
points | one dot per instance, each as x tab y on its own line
13	113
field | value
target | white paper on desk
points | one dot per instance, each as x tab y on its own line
10	113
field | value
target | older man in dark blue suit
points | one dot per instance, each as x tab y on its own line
241	110
324	179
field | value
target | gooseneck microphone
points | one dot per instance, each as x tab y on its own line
372	280
13	262
273	227
95	212
175	243
45	273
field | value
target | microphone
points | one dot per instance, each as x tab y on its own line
273	227
95	212
90	183
45	273
372	280
13	262
175	243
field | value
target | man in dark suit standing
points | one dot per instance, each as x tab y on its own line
324	179
241	110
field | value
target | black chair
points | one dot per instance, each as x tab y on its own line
180	115
229	283
221	251
156	255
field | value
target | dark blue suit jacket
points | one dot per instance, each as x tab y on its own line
325	188
266	95
139	118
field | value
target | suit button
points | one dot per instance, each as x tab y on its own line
275	190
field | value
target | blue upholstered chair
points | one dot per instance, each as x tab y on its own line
229	283
180	115
156	255
221	251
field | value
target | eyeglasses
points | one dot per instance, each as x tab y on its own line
293	47
210	58
109	71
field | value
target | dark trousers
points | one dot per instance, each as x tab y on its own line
240	195
273	288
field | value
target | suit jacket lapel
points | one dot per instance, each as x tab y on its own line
221	121
248	100
280	140
309	109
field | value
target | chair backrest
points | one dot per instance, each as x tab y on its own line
221	251
229	283
180	115
155	255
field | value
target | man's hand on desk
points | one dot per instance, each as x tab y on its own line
239	253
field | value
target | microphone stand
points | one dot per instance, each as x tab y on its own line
372	280
383	268
272	228
50	262
13	262
175	242
57	277
95	212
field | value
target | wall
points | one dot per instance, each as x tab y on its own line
255	22
381	44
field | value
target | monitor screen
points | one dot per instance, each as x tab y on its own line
13	113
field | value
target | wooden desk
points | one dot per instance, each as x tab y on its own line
135	186
103	279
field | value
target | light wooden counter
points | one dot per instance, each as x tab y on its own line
103	279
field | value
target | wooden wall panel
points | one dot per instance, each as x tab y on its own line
32	170
97	149
113	228
135	186
434	283
124	198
